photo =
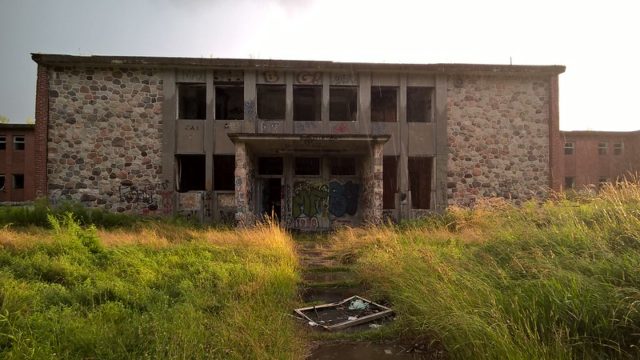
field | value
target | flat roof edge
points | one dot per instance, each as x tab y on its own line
271	64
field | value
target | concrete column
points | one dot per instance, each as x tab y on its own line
404	203
364	102
209	138
288	118
243	186
324	114
249	125
169	116
439	201
372	185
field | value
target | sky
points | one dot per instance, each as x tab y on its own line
596	40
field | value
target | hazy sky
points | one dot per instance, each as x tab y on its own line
597	41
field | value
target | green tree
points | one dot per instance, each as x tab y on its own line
4	119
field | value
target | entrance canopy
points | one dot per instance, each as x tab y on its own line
300	144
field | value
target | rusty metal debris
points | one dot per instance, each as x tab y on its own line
340	315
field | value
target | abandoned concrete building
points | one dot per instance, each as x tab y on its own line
318	144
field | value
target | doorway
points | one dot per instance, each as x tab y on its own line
272	197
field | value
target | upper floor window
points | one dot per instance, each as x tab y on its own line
419	104
307	102
192	101
384	103
271	102
617	149
229	101
343	166
18	142
602	148
568	148
3	142
343	103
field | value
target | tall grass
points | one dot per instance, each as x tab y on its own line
557	280
159	291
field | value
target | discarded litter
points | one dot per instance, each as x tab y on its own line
375	326
358	304
343	314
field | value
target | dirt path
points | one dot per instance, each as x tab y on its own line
327	280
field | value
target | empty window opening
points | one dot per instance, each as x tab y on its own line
270	166
343	166
420	181
224	167
343	103
307	103
617	149
18	142
569	182
568	148
3	142
18	181
229	101
192	101
307	166
190	172
1	182
419	104
389	181
384	103
271	102
272	197
602	148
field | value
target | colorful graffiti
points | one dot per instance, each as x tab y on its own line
309	199
343	198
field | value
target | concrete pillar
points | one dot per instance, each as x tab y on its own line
169	116
243	186
404	203
250	124
439	201
288	116
372	185
364	103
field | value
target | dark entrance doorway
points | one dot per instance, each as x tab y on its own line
271	197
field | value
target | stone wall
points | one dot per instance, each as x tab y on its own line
105	137
498	135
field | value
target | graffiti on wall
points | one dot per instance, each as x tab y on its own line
343	198
309	199
149	195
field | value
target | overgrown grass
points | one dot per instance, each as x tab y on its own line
558	280
157	291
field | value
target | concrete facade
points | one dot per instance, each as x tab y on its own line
595	157
17	169
319	144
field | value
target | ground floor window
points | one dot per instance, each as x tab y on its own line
389	181
420	181
190	172
224	167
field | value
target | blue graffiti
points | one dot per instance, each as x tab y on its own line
343	198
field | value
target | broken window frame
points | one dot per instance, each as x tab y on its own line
333	103
339	163
300	160
3	182
18	181
316	99
180	168
3	142
218	88
19	142
618	148
200	112
603	148
389	182
378	107
569	182
569	148
264	103
224	177
427	116
423	176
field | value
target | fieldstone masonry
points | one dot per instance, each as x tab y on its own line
105	138
498	133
